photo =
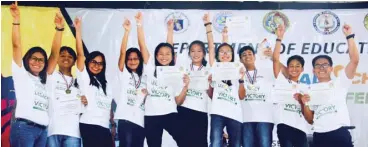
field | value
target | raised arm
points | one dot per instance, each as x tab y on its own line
56	43
170	31
277	65
17	47
141	39
211	44
80	52
353	52
124	44
225	35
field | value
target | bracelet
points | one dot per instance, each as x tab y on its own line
350	36
208	32
278	39
57	29
139	24
208	23
241	81
16	23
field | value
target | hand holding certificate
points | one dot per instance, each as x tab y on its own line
284	93
320	93
226	71
68	104
199	80
170	75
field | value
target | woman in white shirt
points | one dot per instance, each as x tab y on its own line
330	120
292	128
94	121
130	101
32	97
162	100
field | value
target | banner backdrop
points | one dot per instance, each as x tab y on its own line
309	33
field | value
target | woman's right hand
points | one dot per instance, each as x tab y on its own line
206	18
77	23
139	18
127	25
14	11
84	100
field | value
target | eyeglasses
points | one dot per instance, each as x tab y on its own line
223	52
95	63
35	59
318	66
133	59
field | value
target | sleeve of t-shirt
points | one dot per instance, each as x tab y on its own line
18	73
83	77
344	81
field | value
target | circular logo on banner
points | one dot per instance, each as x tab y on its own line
181	21
273	19
366	21
326	22
219	21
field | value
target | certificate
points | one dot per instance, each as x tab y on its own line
284	93
68	104
226	71
238	26
320	94
199	80
170	76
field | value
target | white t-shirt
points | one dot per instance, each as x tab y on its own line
160	99
195	99
332	116
62	121
130	101
225	100
256	105
97	112
31	95
290	114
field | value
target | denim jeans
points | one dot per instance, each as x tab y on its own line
63	141
233	129
289	136
24	135
257	134
337	138
130	134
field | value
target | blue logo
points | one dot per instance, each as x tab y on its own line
273	19
219	21
326	22
181	21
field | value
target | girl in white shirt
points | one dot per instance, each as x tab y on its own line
130	101
95	120
29	76
162	100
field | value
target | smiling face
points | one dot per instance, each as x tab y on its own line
322	69
247	57
36	63
294	69
196	53
164	56
96	65
65	60
133	61
225	54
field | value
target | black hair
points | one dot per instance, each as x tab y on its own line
298	58
140	58
70	51
158	47
322	57
201	44
245	48
228	82
27	57
100	76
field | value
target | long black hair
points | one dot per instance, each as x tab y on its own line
228	82
140	58
100	76
158	47
27	57
201	44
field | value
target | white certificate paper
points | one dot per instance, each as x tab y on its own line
199	80
68	104
320	93
226	71
283	93
170	76
238	26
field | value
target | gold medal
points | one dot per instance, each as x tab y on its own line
68	91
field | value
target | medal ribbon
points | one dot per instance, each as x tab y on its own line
136	84
252	80
192	68
67	85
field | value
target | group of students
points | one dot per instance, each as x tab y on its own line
145	107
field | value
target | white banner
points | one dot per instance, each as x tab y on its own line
309	33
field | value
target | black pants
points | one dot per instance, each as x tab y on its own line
95	136
130	134
155	125
194	126
337	138
291	137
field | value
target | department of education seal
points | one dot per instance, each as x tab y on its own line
366	21
273	19
219	21
326	22
181	21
